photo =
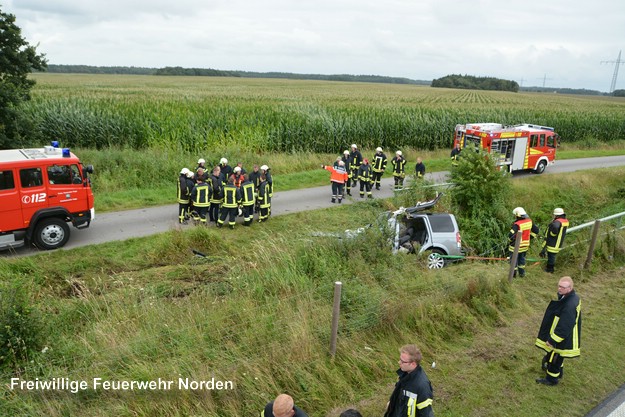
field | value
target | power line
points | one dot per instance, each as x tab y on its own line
617	63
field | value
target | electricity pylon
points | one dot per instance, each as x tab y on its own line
617	64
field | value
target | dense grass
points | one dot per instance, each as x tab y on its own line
257	312
200	114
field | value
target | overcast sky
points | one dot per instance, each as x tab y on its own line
560	43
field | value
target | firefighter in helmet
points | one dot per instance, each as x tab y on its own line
365	178
554	238
399	170
378	167
346	162
522	224
355	160
185	186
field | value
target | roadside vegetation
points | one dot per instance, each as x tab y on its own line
257	311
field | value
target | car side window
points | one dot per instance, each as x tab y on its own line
76	175
31	177
6	180
441	224
59	174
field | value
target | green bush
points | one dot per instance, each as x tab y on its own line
20	327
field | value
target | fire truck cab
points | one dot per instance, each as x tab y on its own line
41	191
515	148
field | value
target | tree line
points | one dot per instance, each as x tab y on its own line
470	82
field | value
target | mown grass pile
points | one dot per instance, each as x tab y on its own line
195	114
257	311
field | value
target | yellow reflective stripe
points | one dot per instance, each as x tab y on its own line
262	414
424	404
412	410
554	336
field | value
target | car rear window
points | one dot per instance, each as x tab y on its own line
442	223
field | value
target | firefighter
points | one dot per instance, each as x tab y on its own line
348	184
248	200
355	160
217	195
419	169
200	196
365	177
226	170
185	186
264	197
399	170
379	166
265	170
238	176
201	164
455	154
230	206
240	165
522	224
554	238
255	178
338	178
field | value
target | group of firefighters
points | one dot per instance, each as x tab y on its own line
224	192
351	168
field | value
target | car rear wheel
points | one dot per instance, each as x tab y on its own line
51	233
435	261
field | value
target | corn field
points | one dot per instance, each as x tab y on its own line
192	114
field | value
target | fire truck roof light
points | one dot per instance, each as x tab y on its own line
55	143
66	153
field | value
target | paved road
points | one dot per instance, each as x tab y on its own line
126	224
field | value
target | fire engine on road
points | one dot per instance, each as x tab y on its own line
515	148
41	191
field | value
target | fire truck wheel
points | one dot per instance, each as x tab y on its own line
434	259
51	233
541	167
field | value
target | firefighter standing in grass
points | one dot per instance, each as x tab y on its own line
264	199
230	206
554	238
379	166
217	195
185	186
338	179
348	184
226	170
355	160
419	169
200	197
455	154
201	164
247	201
265	170
522	224
560	332
365	177
399	170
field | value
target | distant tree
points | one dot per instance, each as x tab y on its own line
619	93
470	82
17	60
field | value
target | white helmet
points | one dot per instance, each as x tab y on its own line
237	169
223	161
345	152
378	149
264	167
558	211
184	171
354	146
398	153
519	211
201	161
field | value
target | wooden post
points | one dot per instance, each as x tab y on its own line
515	255
336	310
593	241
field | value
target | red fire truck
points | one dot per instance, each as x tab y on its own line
515	148
41	191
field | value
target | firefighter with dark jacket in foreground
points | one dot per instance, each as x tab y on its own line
217	196
522	224
554	238
348	184
378	167
264	199
355	160
365	176
455	154
399	170
338	179
230	206
185	186
200	197
282	406
560	331
412	395
419	169
248	200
